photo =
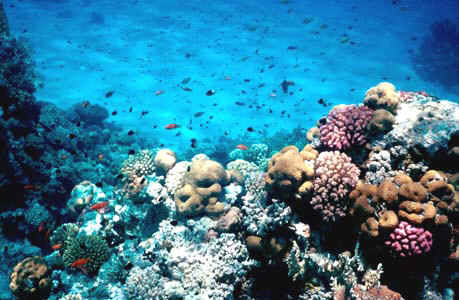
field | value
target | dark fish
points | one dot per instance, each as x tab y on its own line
193	143
210	93
114	113
174	222
198	114
186	80
130	109
109	94
72	136
130	132
321	101
85	104
78	124
99	184
187	89
131	152
239	103
250	129
144	112
291	48
285	84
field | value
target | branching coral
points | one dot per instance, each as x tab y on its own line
139	164
335	177
346	126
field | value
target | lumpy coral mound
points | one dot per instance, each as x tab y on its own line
31	279
205	179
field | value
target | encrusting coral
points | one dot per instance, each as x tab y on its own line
31	279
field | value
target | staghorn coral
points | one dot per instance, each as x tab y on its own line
346	126
139	164
204	183
382	96
92	247
335	177
31	279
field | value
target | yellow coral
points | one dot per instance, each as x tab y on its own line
31	279
382	96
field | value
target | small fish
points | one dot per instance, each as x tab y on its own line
159	92
56	247
227	77
99	205
186	80
193	143
131	152
285	84
109	94
198	114
130	109
239	103
72	136
210	93
242	147
29	187
85	104
99	184
187	89
171	126
322	102
131	132
63	157
250	129
79	262
100	157
272	95
291	48
114	113
41	227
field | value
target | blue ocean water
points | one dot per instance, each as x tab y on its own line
87	191
341	48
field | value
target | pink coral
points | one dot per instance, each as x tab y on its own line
409	240
345	127
335	177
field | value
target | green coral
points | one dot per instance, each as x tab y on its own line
92	247
62	233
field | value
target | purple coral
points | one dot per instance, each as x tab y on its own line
335	177
408	240
345	127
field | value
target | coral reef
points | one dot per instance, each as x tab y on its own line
139	164
165	159
408	240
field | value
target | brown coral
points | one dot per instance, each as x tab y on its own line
287	171
388	192
31	279
388	220
381	122
312	133
382	96
371	227
362	196
200	194
416	213
413	192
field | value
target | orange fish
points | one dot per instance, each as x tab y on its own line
242	147
79	262
85	104
172	126
41	227
159	92
28	187
56	247
100	157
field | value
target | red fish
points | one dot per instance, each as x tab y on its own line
242	147
56	247
29	187
41	227
171	126
79	262
100	207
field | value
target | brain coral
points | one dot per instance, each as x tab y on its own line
204	181
31	279
139	164
335	176
346	126
382	96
